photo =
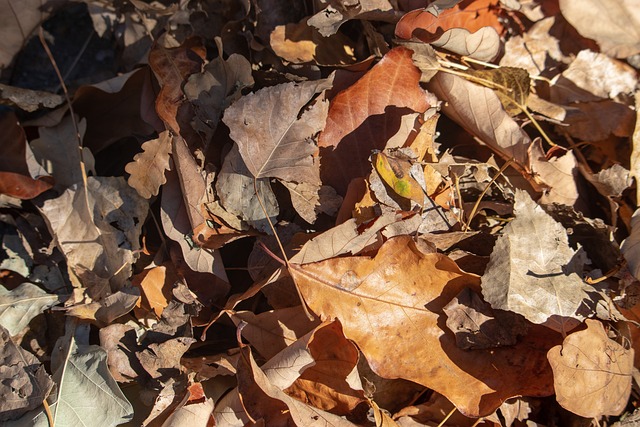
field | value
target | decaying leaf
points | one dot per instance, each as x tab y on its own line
534	272
591	372
336	13
512	85
24	383
98	231
395	300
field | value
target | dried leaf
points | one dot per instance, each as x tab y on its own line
364	116
591	372
400	293
468	28
279	145
336	13
195	414
513	86
20	305
479	110
534	272
613	24
147	169
20	175
29	100
630	248
310	200
121	343
100	245
24	383
172	66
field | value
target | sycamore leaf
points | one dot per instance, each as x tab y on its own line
534	272
591	372
364	116
613	24
400	294
468	28
275	132
147	169
24	383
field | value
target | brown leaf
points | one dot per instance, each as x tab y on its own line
513	86
155	285
20	175
309	200
147	169
99	245
300	43
29	100
365	115
24	383
400	293
279	145
328	20
162	361
172	66
613	24
468	28
332	383
218	85
108	308
591	372
477	326
630	248
479	110
121	343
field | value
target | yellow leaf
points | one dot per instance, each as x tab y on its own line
395	173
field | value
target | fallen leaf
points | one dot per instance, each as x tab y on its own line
591	372
195	415
108	308
24	383
100	245
121	343
215	88
396	173
364	116
279	146
29	100
20	305
468	28
612	24
172	66
20	175
148	168
479	110
476	326
400	293
301	43
243	195
329	20
162	360
309	200
630	248
57	150
513	86
556	169
17	23
155	285
534	272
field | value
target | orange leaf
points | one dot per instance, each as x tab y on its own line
471	15
364	116
391	306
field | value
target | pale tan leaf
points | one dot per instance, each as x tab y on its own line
591	372
20	305
147	169
614	24
328	20
534	272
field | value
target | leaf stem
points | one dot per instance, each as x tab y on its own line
475	206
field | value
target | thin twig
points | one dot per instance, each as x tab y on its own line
475	206
448	416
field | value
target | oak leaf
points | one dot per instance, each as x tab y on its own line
392	303
147	169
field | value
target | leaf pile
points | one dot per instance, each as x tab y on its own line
314	213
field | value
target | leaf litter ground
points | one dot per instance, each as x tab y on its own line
347	213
